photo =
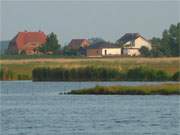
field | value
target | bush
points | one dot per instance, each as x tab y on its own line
145	51
176	76
6	74
146	74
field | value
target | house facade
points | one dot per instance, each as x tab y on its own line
132	42
103	49
26	42
76	44
79	45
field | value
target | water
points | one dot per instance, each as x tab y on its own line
36	108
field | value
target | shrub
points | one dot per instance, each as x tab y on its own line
6	74
176	76
146	74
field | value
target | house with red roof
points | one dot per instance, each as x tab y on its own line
27	43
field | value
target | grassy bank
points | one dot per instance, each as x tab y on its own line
162	89
35	56
24	67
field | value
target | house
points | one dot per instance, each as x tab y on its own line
76	44
103	49
26	42
132	42
79	45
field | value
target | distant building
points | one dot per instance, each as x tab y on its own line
103	49
26	42
76	44
132	42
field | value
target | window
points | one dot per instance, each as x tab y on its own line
105	52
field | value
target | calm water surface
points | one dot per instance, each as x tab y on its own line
36	108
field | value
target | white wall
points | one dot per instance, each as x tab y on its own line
140	42
111	51
131	52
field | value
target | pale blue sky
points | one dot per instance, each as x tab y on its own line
78	19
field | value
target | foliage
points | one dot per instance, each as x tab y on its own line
169	44
156	52
6	74
98	74
176	76
19	65
75	74
144	51
70	52
51	44
146	74
23	77
95	40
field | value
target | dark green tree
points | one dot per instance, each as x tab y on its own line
51	44
145	51
170	42
96	40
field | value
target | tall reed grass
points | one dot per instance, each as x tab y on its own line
91	73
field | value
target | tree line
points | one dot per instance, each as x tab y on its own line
168	45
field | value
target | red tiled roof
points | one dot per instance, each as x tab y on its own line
23	38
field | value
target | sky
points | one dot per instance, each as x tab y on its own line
86	19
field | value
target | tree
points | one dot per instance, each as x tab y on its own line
176	76
156	52
169	44
145	51
95	40
51	44
156	42
70	52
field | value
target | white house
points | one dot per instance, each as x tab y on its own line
132	42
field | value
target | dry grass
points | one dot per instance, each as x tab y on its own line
25	66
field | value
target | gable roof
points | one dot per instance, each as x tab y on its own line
76	42
23	38
103	45
129	37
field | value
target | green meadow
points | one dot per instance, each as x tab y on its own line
21	69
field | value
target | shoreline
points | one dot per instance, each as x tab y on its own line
155	89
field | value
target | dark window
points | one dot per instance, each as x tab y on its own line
105	51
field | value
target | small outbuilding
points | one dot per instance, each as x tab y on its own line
103	49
